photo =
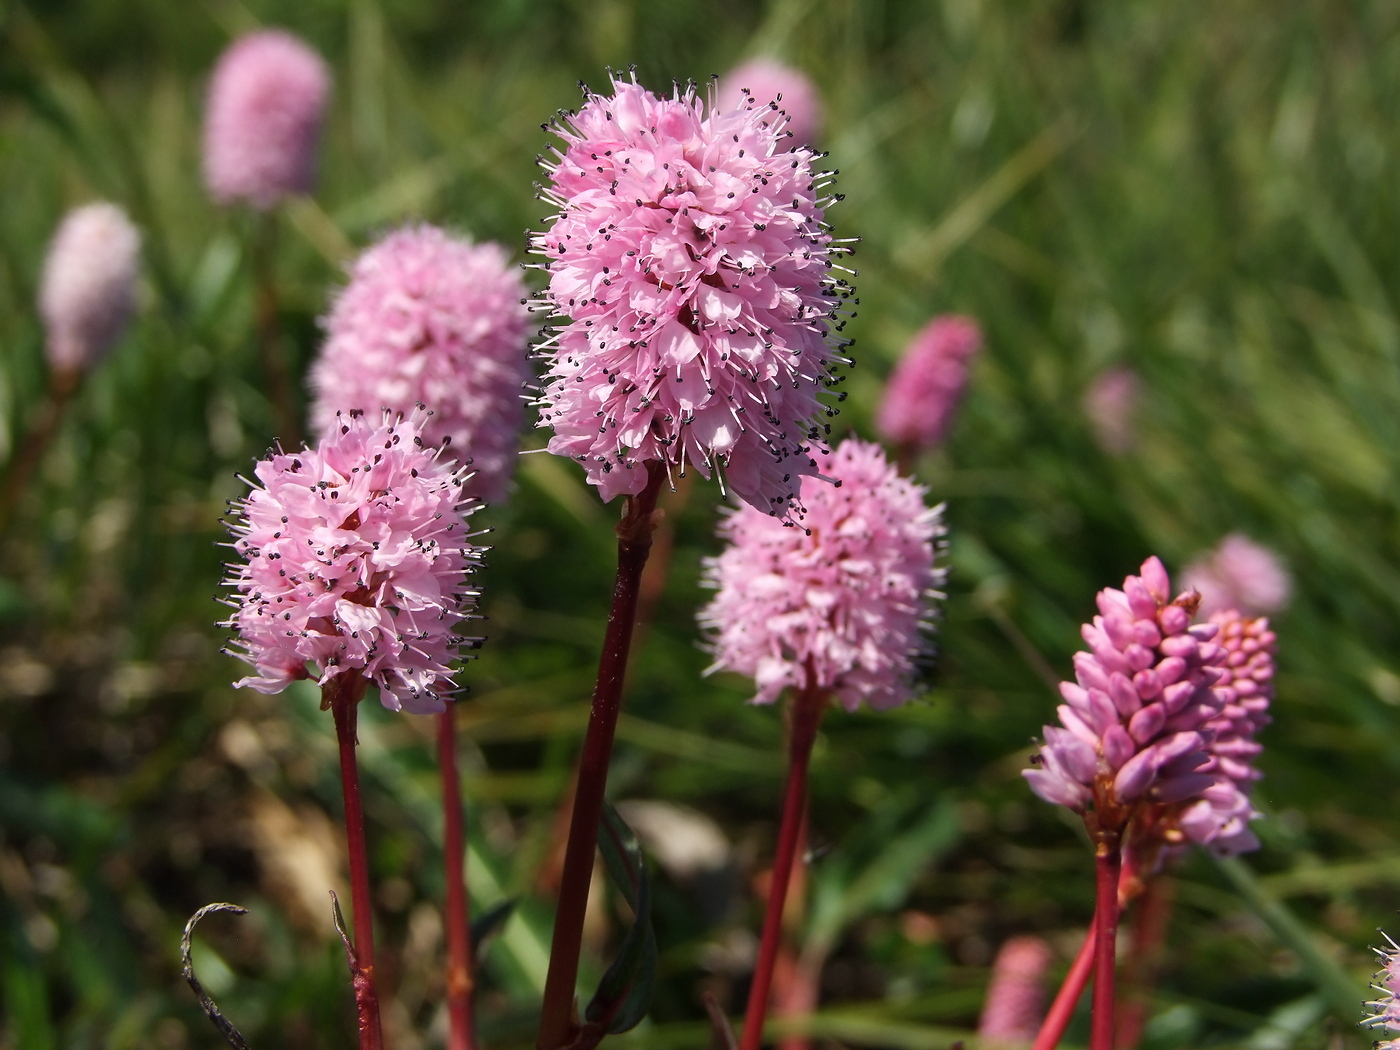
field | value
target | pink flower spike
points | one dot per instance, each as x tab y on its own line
1111	402
1220	819
1385	1010
769	82
88	289
433	319
927	385
262	121
1134	744
844	596
696	289
1015	1002
1240	574
357	557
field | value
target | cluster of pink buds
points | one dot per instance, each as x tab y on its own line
429	318
840	603
692	271
1220	818
355	562
262	122
1135	723
923	393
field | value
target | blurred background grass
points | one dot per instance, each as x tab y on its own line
1203	193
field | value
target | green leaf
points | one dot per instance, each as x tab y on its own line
489	923
624	993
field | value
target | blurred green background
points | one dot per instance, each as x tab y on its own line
1202	193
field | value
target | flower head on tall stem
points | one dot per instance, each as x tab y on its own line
833	607
693	276
88	289
433	319
356	556
1385	1010
923	393
1241	575
841	601
262	122
765	81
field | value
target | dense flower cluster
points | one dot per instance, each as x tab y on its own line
1240	574
263	119
926	386
1220	819
1134	724
433	319
840	603
1386	1010
357	556
88	288
1015	1001
690	266
765	81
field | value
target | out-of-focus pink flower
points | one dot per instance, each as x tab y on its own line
1385	1011
1110	403
839	602
433	319
926	386
1240	574
1135	722
262	120
694	281
88	289
1015	1003
357	556
769	82
1220	819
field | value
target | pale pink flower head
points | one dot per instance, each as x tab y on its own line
1385	1010
693	278
262	120
1111	403
924	390
88	289
356	561
433	319
1220	819
1015	1003
769	82
1240	574
840	602
1133	729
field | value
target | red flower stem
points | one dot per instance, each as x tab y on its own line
1140	970
557	1020
342	695
1052	1029
459	931
268	324
807	709
1108	864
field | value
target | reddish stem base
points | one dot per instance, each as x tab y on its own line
807	709
1108	864
458	910
342	694
558	1023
